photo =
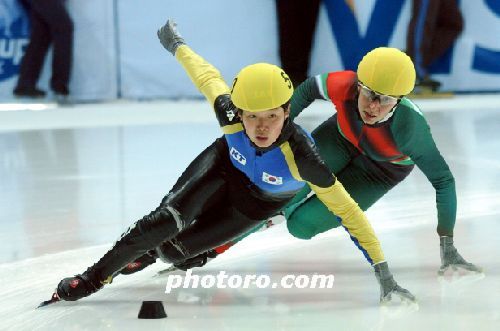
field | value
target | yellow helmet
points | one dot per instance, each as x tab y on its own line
387	71
261	86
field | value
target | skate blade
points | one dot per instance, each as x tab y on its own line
396	309
55	298
460	277
165	271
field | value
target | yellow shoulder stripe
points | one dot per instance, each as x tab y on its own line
233	128
290	160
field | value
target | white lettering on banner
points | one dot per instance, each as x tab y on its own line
14	33
237	156
12	49
270	179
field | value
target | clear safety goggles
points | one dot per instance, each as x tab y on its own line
383	99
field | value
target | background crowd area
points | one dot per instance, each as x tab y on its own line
115	52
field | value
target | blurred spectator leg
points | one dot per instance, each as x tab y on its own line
296	25
449	26
60	24
421	30
33	59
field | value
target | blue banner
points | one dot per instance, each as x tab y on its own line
14	36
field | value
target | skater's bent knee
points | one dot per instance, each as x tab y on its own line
162	223
298	231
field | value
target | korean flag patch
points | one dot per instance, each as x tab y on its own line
270	179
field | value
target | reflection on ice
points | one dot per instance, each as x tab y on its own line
66	195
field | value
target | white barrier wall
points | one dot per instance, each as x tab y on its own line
229	34
94	75
95	64
234	33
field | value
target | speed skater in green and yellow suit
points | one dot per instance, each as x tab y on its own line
371	143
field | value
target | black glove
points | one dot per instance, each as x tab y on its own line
79	286
388	285
451	258
169	37
197	261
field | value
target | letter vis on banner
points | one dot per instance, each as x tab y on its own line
14	36
381	26
351	44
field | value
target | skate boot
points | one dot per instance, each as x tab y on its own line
427	84
29	92
197	261
79	286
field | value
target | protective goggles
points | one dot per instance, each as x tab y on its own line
383	99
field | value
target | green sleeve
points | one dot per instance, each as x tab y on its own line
414	138
304	95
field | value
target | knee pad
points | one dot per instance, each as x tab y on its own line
299	231
160	225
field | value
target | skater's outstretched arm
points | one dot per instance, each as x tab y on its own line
414	138
203	75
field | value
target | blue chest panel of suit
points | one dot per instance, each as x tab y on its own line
269	170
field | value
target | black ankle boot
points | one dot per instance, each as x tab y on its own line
29	92
80	286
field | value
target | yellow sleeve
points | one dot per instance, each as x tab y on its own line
354	220
203	75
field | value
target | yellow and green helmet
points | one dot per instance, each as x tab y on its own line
261	86
388	71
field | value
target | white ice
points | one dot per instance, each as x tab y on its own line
73	178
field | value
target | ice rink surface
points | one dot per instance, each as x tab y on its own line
73	178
